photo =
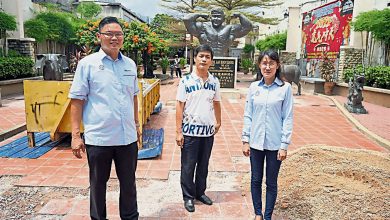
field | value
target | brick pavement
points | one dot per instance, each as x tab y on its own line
12	113
316	121
377	120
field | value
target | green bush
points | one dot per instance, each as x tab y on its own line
13	53
376	76
15	67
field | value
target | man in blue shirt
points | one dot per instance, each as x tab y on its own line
104	96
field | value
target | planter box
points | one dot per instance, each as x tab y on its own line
312	85
372	95
14	86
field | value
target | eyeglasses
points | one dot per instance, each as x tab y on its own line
270	64
111	34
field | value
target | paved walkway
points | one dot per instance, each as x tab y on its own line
316	121
12	113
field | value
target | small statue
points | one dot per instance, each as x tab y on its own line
355	96
218	36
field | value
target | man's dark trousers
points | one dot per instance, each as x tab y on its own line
178	72
99	161
195	153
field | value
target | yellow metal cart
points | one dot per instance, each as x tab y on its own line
47	106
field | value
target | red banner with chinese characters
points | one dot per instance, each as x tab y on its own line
326	28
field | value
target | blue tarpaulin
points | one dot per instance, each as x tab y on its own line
153	140
20	149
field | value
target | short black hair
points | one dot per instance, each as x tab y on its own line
217	11
204	48
108	20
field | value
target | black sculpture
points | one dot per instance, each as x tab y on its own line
291	73
355	96
214	33
52	66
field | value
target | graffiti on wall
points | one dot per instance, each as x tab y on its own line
325	29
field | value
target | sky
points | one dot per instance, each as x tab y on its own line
144	7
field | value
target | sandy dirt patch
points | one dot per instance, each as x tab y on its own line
322	182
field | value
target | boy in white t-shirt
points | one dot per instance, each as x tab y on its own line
198	119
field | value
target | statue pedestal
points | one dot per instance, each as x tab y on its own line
227	93
355	109
225	69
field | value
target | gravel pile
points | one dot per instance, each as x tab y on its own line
25	202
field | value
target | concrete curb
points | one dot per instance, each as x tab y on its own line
383	142
12	131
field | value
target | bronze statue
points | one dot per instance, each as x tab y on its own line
218	36
355	96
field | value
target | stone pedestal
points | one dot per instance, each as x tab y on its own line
357	110
225	69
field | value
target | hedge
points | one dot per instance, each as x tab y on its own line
376	76
16	67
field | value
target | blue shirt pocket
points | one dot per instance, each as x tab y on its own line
128	82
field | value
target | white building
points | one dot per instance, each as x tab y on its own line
112	8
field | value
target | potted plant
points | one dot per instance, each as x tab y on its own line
182	63
246	65
164	63
327	69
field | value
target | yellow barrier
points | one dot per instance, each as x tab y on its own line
47	106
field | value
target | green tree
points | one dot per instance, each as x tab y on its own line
60	28
86	34
276	42
88	10
169	28
139	40
36	28
249	8
52	7
59	25
7	23
377	23
185	6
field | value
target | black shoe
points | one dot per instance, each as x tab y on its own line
189	205
205	200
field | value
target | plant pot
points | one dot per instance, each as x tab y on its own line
164	71
328	87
